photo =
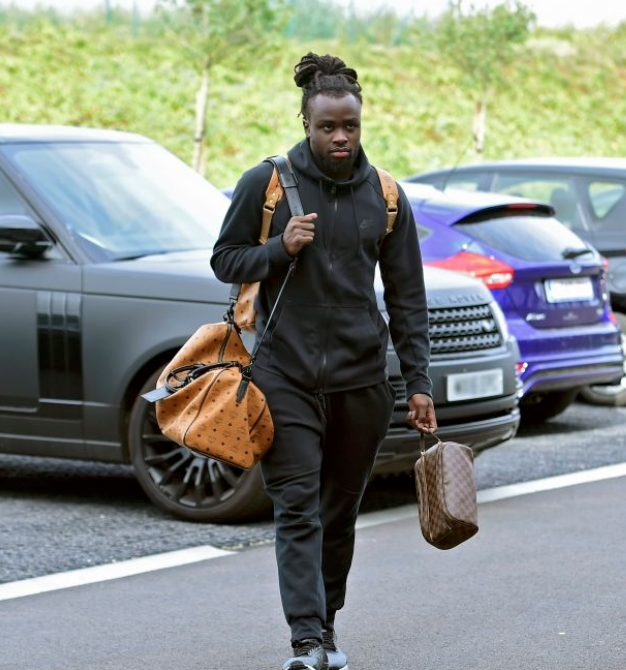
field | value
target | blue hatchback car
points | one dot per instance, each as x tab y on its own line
550	284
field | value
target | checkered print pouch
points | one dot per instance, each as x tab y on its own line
446	492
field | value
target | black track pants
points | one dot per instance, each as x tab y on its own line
315	473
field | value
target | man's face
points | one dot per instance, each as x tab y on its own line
333	126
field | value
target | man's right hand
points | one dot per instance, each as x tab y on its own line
299	233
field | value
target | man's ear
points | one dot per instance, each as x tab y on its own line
306	127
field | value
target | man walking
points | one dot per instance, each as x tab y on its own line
324	369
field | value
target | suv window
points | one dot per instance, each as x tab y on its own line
465	182
604	198
544	239
534	187
10	201
607	205
560	192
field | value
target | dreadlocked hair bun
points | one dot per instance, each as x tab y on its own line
328	75
312	67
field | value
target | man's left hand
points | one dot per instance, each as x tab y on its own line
422	413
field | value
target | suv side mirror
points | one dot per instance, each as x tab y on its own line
23	236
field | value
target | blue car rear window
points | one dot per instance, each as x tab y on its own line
529	238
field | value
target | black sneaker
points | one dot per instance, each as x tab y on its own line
307	655
337	660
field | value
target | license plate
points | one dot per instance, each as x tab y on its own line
468	385
578	289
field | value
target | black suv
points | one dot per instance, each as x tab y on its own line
105	240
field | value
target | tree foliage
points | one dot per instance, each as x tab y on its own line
220	32
564	93
315	19
482	43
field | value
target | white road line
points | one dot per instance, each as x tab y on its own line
136	566
103	573
549	483
502	492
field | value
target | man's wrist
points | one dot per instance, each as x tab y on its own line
277	251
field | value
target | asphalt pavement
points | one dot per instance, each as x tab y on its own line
541	587
58	515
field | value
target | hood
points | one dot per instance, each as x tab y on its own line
302	159
175	276
188	276
445	288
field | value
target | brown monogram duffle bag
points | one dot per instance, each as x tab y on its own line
208	402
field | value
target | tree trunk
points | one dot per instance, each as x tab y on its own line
480	124
199	137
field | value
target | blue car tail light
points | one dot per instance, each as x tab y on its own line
493	273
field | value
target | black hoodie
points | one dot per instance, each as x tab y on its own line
330	335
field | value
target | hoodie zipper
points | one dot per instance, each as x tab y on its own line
333	193
323	373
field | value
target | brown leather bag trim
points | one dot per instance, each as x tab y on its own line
273	194
390	193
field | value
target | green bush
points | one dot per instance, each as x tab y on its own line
564	96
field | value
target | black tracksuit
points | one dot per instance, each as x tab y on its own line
324	368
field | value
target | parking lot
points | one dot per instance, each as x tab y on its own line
123	549
61	515
521	595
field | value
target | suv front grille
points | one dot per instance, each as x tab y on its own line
455	330
460	329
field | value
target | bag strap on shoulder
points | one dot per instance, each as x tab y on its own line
390	193
286	183
274	193
282	182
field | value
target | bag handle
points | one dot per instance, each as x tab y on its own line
423	441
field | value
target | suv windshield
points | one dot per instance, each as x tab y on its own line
123	200
529	238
